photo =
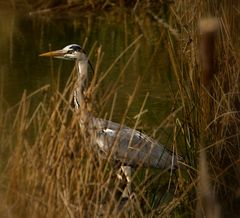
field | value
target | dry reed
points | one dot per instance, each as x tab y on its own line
56	173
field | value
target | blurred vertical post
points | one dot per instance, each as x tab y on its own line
207	204
208	30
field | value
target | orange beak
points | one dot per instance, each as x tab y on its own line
57	53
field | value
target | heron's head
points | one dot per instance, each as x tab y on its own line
70	52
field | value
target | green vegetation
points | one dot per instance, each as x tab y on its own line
48	169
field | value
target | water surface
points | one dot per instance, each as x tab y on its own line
23	37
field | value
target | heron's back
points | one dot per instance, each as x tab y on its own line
131	146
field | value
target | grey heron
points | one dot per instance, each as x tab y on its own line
129	146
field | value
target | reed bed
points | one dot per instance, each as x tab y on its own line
208	81
52	170
57	174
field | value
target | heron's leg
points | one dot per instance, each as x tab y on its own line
127	171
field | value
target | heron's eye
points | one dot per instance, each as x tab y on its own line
70	51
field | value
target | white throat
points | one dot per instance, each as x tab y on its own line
80	86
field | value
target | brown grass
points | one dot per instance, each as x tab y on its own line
56	174
211	108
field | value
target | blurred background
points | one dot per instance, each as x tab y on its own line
28	29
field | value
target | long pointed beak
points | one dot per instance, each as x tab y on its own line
57	53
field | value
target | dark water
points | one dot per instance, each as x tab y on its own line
23	37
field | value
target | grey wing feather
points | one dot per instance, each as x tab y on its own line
131	146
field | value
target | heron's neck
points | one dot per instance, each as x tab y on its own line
82	76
